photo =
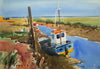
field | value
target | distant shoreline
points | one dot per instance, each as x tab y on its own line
46	16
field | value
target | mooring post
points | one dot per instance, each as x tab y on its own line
31	29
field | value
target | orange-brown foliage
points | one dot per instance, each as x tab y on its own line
25	55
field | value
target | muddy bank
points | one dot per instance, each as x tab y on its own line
57	62
85	32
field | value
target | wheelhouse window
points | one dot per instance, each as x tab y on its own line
58	36
62	34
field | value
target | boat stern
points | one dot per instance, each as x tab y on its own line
65	49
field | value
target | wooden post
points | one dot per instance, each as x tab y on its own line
36	39
31	29
37	46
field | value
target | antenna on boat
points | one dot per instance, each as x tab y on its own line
59	16
58	9
55	17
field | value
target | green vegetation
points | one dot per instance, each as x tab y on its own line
41	20
8	39
13	34
49	21
8	60
93	22
85	25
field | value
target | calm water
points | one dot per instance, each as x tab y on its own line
86	51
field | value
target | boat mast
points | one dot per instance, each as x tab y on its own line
59	21
59	17
58	12
55	17
59	25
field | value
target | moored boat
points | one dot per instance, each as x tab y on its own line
56	44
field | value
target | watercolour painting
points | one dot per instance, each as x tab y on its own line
49	34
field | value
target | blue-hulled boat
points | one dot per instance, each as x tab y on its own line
56	44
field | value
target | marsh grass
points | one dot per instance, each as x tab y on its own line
93	22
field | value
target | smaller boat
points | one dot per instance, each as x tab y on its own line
56	44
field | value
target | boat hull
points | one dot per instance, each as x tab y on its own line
56	50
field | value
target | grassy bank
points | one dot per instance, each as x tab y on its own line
93	22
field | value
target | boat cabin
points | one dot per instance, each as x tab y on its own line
58	36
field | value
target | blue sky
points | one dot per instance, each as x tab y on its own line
14	8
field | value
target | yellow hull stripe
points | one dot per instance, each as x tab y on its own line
63	53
